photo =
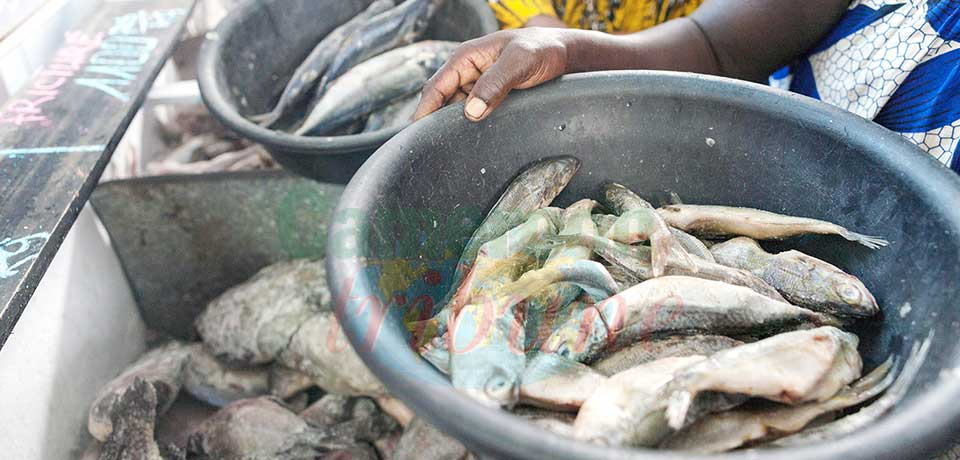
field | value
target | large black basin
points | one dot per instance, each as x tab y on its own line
407	213
246	61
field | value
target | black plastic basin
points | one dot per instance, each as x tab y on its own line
246	61
409	210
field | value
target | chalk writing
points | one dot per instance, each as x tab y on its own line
14	254
122	55
47	82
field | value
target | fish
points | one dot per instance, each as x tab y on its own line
367	421
870	413
637	259
217	384
792	368
394	28
768	421
264	428
693	245
639	222
309	72
320	350
374	84
559	423
803	280
486	352
286	382
162	368
330	409
604	222
728	221
616	413
532	189
674	305
423	441
539	327
251	323
134	422
394	116
646	351
557	383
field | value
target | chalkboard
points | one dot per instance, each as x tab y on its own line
58	132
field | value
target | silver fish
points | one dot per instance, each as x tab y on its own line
693	245
647	351
767	421
315	65
723	221
640	222
134	423
871	412
217	384
534	188
803	280
637	259
394	116
397	27
557	383
263	428
793	367
253	322
423	441
616	413
162	368
671	305
374	84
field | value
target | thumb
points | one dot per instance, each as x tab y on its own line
492	87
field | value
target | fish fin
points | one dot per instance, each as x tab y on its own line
872	242
675	198
677	408
667	250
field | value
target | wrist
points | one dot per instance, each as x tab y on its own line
583	50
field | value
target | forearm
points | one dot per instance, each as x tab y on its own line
746	39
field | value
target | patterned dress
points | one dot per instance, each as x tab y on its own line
894	62
622	16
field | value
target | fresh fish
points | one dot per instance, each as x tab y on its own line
264	428
636	259
397	27
394	116
803	280
793	367
557	383
538	328
616	413
374	84
767	421
499	261
672	305
162	368
870	413
640	222
724	221
559	423
423	441
320	349
647	351
134	421
534	188
315	65
286	382
693	245
217	384
253	322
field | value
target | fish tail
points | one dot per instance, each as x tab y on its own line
872	242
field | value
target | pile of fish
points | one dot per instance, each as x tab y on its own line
279	381
365	74
626	325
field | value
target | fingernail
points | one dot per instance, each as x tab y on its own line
476	108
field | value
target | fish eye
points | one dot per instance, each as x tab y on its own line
849	294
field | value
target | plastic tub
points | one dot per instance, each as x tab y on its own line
247	60
406	215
